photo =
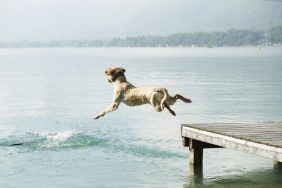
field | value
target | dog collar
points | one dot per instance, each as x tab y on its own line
116	75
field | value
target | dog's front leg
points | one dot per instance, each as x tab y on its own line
112	107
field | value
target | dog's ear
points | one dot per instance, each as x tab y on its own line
122	69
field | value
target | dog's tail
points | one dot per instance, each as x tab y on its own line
164	98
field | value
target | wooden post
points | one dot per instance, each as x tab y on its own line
195	161
196	149
277	165
196	174
196	152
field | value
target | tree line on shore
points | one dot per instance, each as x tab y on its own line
232	37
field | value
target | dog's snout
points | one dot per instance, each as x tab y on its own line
106	72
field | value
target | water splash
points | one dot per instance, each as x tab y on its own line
54	140
71	139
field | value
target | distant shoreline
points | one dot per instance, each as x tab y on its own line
230	38
141	47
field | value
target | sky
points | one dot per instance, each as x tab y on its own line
45	20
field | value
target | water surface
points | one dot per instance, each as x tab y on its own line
49	96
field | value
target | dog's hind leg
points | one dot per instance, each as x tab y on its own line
177	96
155	102
169	109
165	97
171	100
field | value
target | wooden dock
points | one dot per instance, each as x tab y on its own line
262	139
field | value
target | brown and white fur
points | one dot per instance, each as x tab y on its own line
132	96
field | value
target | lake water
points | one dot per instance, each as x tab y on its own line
48	97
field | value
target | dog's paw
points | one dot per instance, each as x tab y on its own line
97	117
172	112
187	100
100	115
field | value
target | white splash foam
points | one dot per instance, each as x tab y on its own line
56	139
60	136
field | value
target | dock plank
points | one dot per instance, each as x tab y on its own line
264	139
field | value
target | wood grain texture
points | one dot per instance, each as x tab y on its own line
264	139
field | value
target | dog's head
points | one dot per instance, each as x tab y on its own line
114	72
